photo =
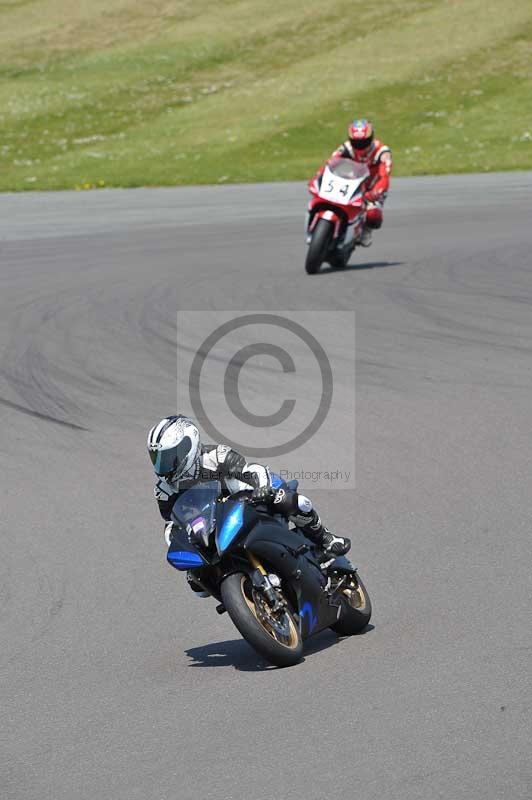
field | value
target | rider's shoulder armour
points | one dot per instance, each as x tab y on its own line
346	150
380	150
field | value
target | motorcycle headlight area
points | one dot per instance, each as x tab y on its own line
184	559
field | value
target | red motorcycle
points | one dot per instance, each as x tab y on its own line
336	213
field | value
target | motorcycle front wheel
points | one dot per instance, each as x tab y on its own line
356	608
274	635
319	245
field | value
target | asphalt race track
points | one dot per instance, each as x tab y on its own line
117	683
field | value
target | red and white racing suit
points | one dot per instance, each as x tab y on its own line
378	160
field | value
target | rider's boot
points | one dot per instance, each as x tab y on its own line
366	237
330	544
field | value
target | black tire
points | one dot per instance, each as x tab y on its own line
319	245
356	609
236	591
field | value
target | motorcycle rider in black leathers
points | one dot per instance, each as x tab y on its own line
180	460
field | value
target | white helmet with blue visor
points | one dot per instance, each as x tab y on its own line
174	447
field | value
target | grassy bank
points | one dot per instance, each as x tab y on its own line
133	93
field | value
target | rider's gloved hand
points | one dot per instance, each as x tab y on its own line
263	494
279	501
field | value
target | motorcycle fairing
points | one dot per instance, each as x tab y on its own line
182	554
276	547
338	198
307	617
338	189
231	526
343	565
233	519
184	559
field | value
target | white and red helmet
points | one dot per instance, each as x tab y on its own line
174	447
361	136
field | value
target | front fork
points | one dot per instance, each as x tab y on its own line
269	586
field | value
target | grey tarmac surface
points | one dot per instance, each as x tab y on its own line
117	683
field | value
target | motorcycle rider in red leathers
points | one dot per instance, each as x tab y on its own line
364	148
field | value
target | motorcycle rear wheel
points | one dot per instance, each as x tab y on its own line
356	609
275	637
319	245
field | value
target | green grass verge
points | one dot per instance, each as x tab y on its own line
165	93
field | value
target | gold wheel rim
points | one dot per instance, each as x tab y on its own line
293	638
355	596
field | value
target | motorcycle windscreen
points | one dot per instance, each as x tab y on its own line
194	514
342	180
195	509
348	169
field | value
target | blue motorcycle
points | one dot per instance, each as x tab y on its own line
270	578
